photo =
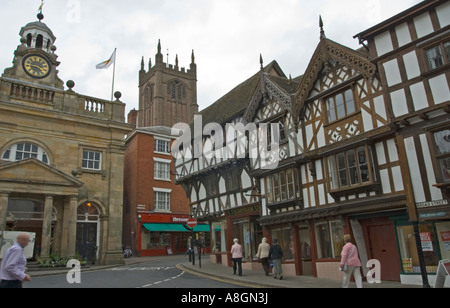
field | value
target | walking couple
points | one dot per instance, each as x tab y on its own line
267	253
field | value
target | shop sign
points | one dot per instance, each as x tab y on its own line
421	205
432	215
251	209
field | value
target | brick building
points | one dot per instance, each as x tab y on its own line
155	208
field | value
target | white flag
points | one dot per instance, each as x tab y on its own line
107	63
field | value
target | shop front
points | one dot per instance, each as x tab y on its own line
434	228
162	234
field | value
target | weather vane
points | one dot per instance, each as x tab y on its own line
41	6
40	16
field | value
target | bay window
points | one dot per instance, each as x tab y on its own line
351	168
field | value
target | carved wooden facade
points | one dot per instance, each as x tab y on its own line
362	143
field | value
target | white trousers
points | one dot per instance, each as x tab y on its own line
356	272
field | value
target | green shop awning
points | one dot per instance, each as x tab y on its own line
175	228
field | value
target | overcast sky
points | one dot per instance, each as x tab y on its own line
227	37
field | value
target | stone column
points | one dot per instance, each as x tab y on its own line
47	228
72	225
4	197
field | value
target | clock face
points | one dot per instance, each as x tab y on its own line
36	66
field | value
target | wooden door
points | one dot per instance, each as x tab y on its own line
382	245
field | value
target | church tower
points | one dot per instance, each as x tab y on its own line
167	93
35	60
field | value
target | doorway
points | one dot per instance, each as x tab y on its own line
88	217
381	243
87	240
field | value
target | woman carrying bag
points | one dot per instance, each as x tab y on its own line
350	263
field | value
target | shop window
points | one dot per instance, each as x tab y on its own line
408	248
439	55
442	151
155	239
25	150
285	239
443	234
340	105
329	239
351	168
281	186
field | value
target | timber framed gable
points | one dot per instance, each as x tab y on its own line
329	50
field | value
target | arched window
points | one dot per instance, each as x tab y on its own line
25	150
176	90
29	39
39	41
88	212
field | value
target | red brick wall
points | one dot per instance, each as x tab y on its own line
139	182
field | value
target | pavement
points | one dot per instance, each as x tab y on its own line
253	279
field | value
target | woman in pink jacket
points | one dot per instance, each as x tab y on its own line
350	256
236	256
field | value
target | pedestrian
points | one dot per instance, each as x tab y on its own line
350	263
13	266
263	255
236	256
276	255
189	248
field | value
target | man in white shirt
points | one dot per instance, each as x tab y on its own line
13	267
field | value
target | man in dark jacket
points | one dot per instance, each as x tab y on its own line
276	254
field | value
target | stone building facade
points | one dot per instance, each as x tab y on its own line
61	156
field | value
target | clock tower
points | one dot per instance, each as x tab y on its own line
35	60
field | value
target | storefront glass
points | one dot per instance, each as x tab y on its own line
443	233
329	238
285	239
218	236
408	248
155	240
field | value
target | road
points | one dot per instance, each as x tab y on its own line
159	273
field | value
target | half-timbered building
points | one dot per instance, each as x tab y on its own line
362	148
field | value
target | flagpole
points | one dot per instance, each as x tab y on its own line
114	74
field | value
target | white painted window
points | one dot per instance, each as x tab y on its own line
92	160
25	150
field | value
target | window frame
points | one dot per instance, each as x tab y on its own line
445	55
100	160
162	204
330	241
279	184
166	148
437	156
336	173
332	98
11	152
158	173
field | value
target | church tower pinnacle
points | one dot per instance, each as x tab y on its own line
167	93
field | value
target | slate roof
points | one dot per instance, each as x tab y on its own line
235	102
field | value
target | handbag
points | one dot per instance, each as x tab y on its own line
345	267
